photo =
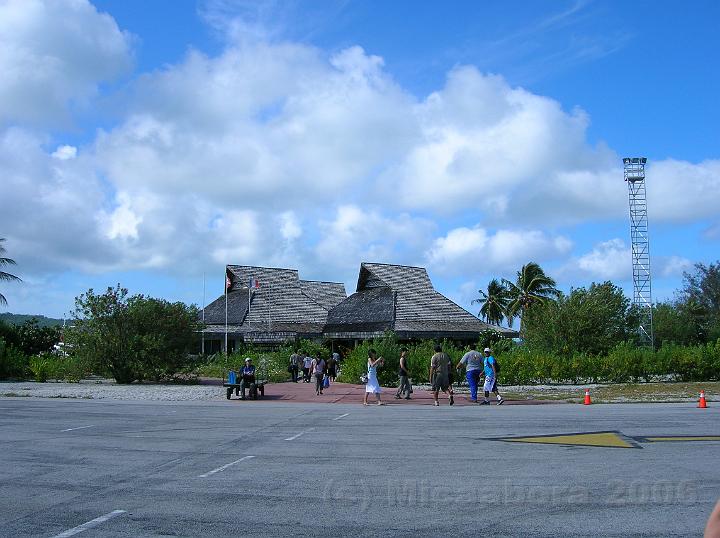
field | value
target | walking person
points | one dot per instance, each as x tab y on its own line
317	366
373	385
404	375
472	361
440	365
332	368
307	361
490	366
295	360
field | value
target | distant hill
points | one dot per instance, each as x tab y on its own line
19	319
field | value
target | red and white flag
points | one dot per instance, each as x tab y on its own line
254	283
228	282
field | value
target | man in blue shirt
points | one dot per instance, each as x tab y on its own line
490	378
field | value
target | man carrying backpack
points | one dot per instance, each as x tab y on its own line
491	370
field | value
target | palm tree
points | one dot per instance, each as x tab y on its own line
533	286
3	275
494	302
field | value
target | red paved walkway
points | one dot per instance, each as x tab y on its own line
348	393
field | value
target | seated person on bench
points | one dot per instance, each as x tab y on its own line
247	378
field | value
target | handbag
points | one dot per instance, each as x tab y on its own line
326	382
363	378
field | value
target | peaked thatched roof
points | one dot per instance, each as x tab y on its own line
281	304
402	299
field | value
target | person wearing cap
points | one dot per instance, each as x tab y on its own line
247	378
490	378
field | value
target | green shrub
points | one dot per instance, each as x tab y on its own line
13	362
71	368
520	364
41	367
133	338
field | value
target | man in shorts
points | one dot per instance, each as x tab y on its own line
490	378
440	375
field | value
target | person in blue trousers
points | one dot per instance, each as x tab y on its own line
472	361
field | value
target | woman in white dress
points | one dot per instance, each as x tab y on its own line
373	386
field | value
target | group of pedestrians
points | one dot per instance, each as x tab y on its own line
313	367
440	375
476	365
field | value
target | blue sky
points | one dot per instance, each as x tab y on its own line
150	143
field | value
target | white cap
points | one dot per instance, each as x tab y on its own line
487	349
248	359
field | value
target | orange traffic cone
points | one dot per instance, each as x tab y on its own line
587	397
702	404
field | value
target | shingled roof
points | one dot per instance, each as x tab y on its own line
283	307
401	299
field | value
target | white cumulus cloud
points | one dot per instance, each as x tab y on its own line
356	234
607	261
467	250
64	153
53	54
275	152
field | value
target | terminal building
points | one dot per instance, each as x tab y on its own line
268	306
274	306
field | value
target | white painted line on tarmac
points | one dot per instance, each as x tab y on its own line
169	462
90	524
80	428
297	435
341	416
225	466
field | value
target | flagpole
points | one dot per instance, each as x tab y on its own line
269	306
202	348
226	299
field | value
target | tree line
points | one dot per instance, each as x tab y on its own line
596	318
588	333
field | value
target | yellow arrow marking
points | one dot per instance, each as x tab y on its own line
681	438
599	439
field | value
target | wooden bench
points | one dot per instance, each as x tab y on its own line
254	389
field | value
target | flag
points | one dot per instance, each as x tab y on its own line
254	283
228	282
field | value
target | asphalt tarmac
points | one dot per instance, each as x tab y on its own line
231	468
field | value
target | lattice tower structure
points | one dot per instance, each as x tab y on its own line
634	173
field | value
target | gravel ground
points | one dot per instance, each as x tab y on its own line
109	390
209	390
